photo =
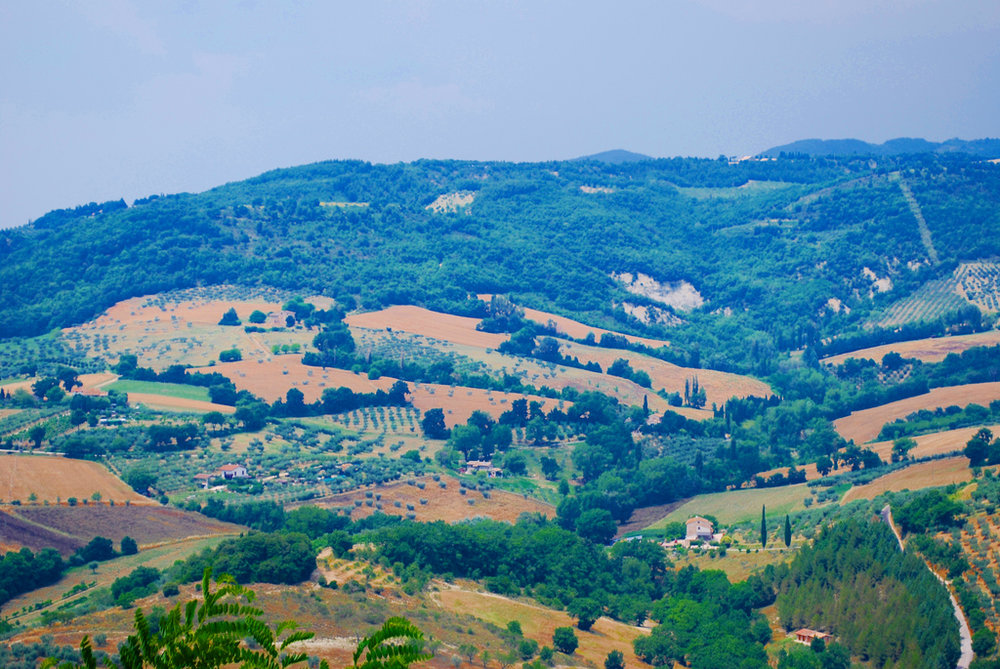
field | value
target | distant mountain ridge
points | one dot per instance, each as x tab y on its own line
616	156
986	148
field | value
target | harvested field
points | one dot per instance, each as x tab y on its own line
67	528
167	403
459	402
539	623
863	426
447	504
936	443
52	478
719	386
915	477
578	330
96	382
271	379
417	320
8	412
809	468
737	506
932	349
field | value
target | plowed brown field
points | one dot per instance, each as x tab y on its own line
863	426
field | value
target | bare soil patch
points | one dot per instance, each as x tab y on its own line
55	479
915	477
447	504
863	426
643	517
933	349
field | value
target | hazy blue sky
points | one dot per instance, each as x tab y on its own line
108	99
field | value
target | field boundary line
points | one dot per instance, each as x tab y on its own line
925	232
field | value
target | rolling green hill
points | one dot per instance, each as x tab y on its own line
774	268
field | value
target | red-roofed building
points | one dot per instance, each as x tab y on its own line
806	636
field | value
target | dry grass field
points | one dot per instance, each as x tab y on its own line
933	349
863	426
920	475
447	504
738	565
339	620
539	623
54	479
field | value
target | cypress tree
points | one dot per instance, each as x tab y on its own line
763	527
788	531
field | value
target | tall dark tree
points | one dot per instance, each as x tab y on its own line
788	531
763	526
230	318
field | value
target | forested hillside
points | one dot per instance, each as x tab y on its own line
781	252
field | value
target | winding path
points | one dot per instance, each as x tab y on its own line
965	637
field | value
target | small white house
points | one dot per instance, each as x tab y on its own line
232	472
475	466
699	528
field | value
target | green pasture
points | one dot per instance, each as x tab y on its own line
156	388
739	506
